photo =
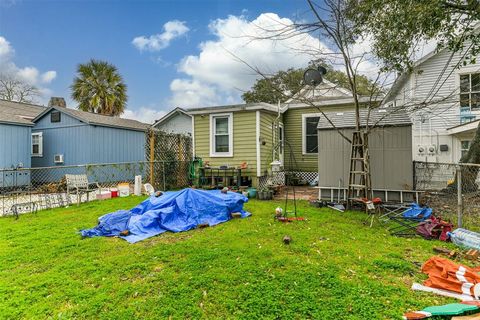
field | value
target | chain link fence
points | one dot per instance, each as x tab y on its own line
31	189
452	190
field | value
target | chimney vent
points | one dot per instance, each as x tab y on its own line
57	102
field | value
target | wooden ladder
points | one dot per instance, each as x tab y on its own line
359	182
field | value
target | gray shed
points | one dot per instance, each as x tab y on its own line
390	147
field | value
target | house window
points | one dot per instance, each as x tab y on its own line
55	116
37	144
221	135
470	91
464	147
310	138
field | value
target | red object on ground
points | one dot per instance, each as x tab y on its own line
434	228
447	275
114	193
416	315
374	200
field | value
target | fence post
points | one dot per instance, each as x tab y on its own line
152	156
459	197
163	170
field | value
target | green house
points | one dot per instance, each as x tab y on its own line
261	133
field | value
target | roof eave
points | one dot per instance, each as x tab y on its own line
169	115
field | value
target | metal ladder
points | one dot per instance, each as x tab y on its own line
359	182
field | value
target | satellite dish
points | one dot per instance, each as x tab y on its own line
312	77
322	70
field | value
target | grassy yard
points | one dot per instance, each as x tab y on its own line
335	268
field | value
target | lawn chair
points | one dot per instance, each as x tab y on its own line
78	184
408	220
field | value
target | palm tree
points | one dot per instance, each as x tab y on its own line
99	88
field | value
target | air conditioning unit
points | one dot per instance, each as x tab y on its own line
58	158
432	149
422	150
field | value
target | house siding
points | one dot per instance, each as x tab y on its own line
435	79
15	146
178	123
81	143
244	144
292	120
267	139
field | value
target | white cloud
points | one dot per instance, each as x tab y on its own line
48	76
6	50
216	76
146	115
172	29
28	74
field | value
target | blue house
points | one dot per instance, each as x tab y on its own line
63	136
15	141
15	133
37	136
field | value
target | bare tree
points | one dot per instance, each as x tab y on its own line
331	22
14	89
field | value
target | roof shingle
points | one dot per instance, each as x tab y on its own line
380	117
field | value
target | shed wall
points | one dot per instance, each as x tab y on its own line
390	158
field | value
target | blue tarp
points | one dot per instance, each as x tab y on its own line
174	211
417	212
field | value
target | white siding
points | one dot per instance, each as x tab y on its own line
436	82
178	123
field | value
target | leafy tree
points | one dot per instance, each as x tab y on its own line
285	84
398	27
275	88
99	88
14	89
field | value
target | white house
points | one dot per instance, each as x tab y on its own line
443	99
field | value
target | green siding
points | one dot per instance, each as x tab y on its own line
266	150
292	120
244	145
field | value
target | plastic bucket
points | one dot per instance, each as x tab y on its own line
252	192
114	192
124	190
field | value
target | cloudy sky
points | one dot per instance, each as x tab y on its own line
170	53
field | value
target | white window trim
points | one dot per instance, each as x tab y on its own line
40	144
467	70
304	130
214	154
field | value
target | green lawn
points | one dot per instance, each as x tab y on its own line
335	268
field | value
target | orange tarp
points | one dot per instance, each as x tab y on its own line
447	275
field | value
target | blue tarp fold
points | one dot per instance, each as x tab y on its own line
174	211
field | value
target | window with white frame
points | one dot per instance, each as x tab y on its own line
310	138
470	91
221	135
37	144
464	147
